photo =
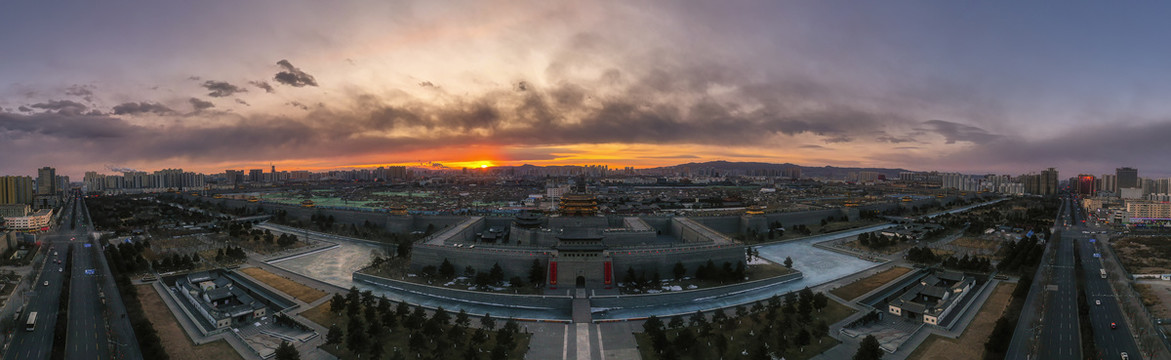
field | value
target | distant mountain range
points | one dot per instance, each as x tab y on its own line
806	171
721	166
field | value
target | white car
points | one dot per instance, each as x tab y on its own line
1124	356
1097	302
46	282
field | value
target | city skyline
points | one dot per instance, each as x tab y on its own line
953	87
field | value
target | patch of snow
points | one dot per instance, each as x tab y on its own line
690	287
756	260
652	291
673	288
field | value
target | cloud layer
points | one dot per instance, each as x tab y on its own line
292	76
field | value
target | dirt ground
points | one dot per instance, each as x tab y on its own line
1144	255
1156	296
294	289
321	315
896	247
970	345
865	285
976	243
174	340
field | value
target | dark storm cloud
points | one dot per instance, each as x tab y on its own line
200	105
263	85
953	132
132	108
221	88
63	127
298	105
82	91
1088	149
884	137
23	108
65	107
293	76
242	102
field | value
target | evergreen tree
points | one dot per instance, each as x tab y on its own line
356	341
337	304
820	301
536	273
462	319
376	350
869	350
446	270
334	336
488	322
286	351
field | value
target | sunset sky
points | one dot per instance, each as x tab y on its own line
978	87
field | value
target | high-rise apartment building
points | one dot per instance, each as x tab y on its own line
1049	182
16	190
1109	183
1085	184
46	181
256	175
1127	178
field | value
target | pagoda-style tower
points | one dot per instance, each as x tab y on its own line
578	205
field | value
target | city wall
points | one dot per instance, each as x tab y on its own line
741	224
392	223
685	297
563	303
514	261
664	260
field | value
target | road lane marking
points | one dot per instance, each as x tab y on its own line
601	349
583	341
565	345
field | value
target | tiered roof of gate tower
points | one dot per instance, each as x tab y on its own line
577	245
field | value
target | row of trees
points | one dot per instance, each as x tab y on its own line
493	277
230	253
783	326
1021	256
127	257
998	341
372	322
118	258
877	240
245	232
924	255
725	273
176	262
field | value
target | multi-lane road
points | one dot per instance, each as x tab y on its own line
1060	332
44	295
1105	310
88	317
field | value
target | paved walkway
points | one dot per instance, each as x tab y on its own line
309	349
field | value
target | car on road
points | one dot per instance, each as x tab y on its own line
46	283
1124	356
60	269
1113	325
1097	302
